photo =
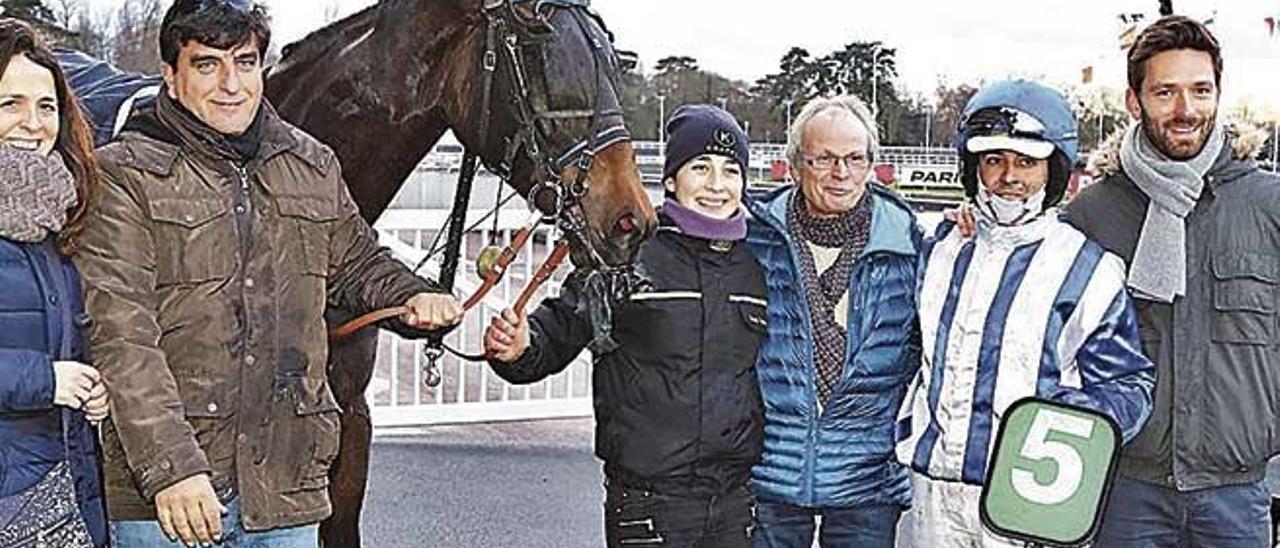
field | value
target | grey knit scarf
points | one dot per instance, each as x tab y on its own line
35	193
1159	269
823	290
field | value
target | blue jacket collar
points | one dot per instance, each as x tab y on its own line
892	222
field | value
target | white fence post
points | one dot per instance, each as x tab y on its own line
402	231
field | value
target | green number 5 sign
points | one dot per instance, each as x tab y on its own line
1048	477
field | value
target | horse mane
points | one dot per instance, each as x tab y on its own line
323	39
348	29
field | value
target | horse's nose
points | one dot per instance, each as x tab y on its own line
627	224
631	230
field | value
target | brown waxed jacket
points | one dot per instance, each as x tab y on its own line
207	281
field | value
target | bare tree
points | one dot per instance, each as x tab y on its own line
136	37
66	12
38	15
83	30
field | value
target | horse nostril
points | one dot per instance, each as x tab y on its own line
627	224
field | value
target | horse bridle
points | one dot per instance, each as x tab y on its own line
506	31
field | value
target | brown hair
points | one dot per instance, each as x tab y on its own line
75	140
1170	33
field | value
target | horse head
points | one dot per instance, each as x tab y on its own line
543	112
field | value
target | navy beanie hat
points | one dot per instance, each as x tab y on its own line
694	130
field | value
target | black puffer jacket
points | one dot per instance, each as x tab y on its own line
677	404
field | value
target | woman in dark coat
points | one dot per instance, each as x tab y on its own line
679	421
50	397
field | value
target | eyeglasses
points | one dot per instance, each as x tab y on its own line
827	162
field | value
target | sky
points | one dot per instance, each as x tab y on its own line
949	41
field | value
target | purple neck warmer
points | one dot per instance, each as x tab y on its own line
695	224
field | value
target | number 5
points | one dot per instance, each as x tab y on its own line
1037	446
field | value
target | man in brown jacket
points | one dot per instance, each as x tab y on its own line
221	234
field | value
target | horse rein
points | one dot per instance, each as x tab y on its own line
566	212
489	281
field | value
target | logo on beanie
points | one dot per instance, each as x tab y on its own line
725	138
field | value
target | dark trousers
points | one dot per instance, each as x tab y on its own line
781	525
1144	515
645	517
1275	520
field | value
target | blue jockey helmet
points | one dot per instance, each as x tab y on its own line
1022	116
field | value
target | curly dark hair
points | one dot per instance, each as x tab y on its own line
75	139
221	24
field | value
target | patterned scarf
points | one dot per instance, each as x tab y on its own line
848	231
35	193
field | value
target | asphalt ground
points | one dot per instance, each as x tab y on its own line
532	484
521	484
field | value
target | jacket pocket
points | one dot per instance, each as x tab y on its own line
1244	298
664	326
319	415
194	240
754	312
207	410
744	349
308	220
202	396
635	516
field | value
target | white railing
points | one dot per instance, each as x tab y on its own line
469	392
919	156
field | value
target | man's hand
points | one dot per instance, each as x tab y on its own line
189	510
97	405
962	216
432	311
507	337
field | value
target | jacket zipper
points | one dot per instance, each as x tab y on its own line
243	208
243	211
243	205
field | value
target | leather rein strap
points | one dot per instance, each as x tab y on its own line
490	281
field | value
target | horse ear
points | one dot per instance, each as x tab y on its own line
627	60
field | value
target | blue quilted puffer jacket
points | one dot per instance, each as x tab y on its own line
41	317
839	454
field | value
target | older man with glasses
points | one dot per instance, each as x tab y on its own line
839	257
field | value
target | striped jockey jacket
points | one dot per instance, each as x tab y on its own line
1033	310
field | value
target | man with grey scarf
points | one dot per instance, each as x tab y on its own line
1197	222
838	253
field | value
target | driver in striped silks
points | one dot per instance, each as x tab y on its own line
1027	306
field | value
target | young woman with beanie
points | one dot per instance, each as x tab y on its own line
678	411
